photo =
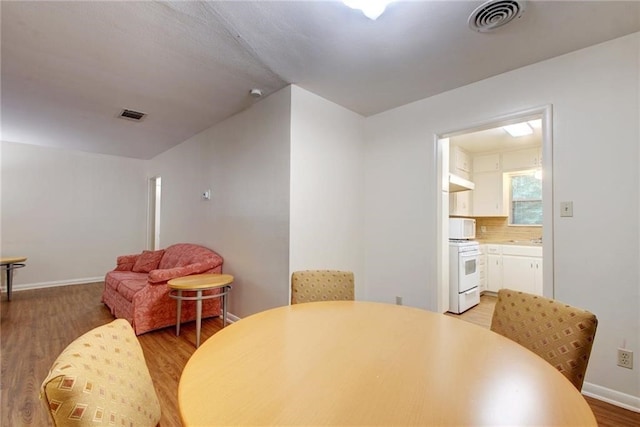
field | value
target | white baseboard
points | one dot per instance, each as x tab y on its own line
232	318
41	285
613	397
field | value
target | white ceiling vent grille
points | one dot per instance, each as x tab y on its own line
132	115
495	13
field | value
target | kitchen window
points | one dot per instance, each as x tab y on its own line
525	198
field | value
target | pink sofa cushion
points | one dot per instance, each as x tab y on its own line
184	254
158	276
128	288
148	261
113	278
126	262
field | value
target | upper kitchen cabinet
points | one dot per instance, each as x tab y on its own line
460	165
489	194
487	163
460	203
522	159
459	162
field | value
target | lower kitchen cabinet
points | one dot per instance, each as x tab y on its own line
514	267
521	272
537	277
494	272
482	269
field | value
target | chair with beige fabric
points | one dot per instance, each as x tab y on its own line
102	378
321	285
560	334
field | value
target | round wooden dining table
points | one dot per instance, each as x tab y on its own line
365	363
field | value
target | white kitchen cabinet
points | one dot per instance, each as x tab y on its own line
482	268
520	270
537	277
487	163
494	268
522	159
460	203
517	273
460	162
494	272
489	195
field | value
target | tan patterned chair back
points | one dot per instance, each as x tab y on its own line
560	334
321	285
102	378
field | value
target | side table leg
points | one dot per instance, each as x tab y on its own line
224	305
179	310
9	280
198	316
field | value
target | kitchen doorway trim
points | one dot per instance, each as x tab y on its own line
544	112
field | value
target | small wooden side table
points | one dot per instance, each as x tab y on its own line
10	264
198	283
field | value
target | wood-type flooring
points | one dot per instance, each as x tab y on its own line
38	324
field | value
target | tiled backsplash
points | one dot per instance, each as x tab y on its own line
498	229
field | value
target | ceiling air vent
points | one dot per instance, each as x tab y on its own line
495	13
132	115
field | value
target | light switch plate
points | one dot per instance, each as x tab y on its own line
566	209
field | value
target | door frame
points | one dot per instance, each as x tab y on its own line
153	212
442	196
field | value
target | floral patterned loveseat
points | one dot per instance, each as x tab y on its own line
137	288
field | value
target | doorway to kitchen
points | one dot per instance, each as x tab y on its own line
153	213
512	201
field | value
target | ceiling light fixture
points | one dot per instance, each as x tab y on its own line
372	9
518	129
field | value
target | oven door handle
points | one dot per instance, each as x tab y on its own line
471	291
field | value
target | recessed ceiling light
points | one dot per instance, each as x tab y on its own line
372	9
536	124
518	129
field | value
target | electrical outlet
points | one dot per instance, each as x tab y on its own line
625	358
398	300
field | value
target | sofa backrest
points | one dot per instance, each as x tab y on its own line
183	254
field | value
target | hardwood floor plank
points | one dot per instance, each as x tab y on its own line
38	324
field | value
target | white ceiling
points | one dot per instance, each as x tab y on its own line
497	139
69	68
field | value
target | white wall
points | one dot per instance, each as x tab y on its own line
71	213
245	162
183	170
249	218
327	187
594	93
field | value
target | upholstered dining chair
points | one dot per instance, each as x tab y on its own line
559	333
321	285
102	378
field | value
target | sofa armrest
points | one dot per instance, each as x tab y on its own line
126	262
158	276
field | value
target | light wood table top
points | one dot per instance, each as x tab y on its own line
12	260
361	363
200	281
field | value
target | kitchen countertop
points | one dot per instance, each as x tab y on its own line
509	242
